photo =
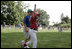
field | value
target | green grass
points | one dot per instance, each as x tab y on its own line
10	39
54	40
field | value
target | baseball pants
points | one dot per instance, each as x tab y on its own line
33	38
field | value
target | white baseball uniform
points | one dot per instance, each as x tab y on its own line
33	38
26	34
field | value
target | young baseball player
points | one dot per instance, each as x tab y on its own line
27	24
33	30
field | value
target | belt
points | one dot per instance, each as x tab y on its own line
33	28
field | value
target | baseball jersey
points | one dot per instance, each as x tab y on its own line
33	23
27	20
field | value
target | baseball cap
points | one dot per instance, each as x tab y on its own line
29	10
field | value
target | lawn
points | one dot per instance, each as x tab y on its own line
11	37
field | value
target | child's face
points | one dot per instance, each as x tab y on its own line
30	13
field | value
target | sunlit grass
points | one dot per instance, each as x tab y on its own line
11	37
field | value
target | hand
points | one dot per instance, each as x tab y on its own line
26	30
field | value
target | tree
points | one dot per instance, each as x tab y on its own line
44	17
65	19
65	22
62	16
6	10
12	12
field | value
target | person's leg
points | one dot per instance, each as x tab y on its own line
30	34
26	35
29	42
34	39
